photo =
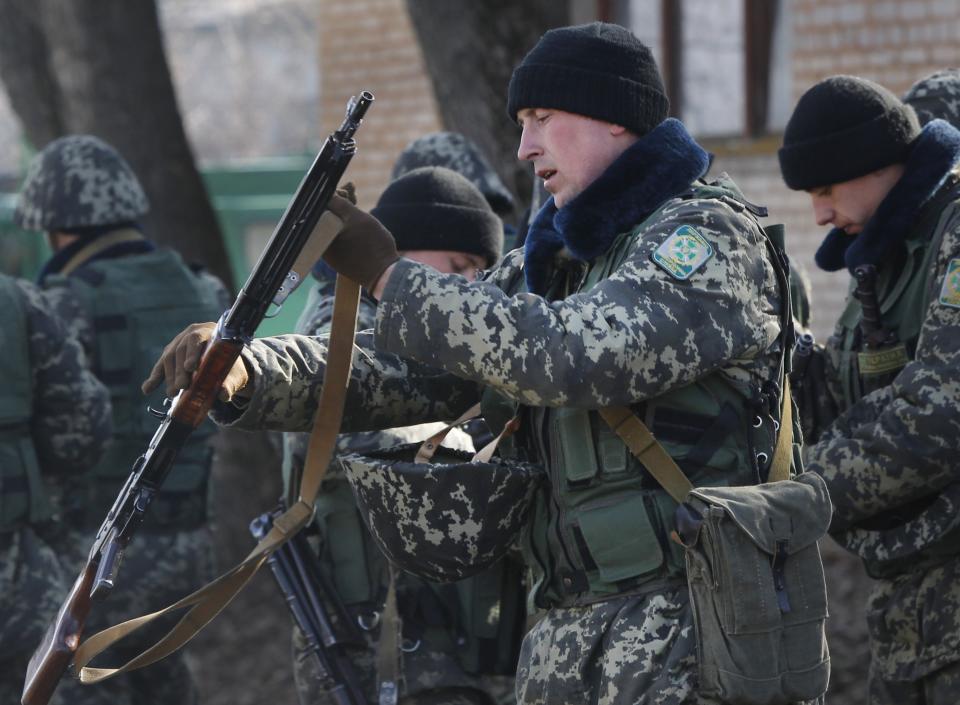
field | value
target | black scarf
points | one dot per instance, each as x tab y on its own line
659	166
932	158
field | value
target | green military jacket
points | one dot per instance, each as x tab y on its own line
890	459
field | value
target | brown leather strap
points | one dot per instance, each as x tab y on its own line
430	446
208	601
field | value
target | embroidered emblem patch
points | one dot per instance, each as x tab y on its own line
950	291
683	253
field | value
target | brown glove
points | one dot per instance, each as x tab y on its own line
364	248
181	358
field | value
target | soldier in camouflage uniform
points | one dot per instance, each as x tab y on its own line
936	96
892	192
56	421
124	297
454	151
440	219
639	284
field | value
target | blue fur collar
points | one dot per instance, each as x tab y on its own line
659	166
934	155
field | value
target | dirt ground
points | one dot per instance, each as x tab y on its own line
243	657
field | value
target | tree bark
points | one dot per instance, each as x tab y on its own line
25	71
470	50
103	71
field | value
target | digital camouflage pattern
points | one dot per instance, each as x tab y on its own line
70	428
71	422
446	520
431	672
897	446
637	335
629	649
78	181
936	96
454	151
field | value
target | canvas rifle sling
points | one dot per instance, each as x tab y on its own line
664	469
204	604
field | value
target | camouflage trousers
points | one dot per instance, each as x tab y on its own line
32	584
430	676
158	569
942	687
914	624
629	649
624	651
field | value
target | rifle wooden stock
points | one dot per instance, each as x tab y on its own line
195	401
52	658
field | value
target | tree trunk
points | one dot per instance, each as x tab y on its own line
470	50
102	70
25	71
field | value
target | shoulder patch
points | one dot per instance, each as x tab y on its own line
683	253
950	291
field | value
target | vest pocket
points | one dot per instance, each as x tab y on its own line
620	538
572	436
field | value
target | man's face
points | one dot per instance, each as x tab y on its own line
568	151
848	205
449	262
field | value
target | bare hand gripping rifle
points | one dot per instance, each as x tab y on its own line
276	274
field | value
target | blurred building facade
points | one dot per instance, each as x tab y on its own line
263	78
734	70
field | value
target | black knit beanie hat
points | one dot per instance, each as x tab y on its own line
434	208
598	70
842	128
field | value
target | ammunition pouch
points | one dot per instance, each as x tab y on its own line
757	589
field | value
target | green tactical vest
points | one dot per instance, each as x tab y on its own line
601	525
137	304
903	298
22	496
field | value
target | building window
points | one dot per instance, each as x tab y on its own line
725	63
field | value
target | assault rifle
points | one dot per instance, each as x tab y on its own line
297	574
270	282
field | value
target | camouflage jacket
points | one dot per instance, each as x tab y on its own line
71	415
647	329
57	414
315	320
890	459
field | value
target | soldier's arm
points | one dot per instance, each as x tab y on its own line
634	336
286	377
71	421
899	443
